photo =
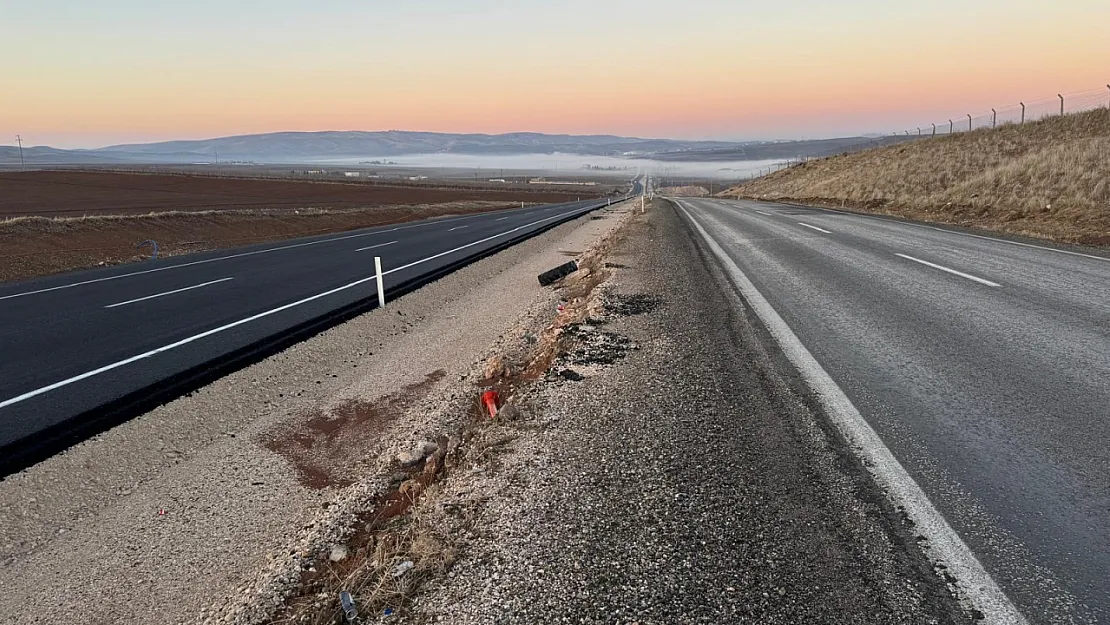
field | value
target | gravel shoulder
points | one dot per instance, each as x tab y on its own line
204	511
671	468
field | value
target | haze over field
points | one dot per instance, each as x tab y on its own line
79	74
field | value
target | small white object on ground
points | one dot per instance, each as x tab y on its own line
403	568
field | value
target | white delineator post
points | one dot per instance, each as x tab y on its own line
643	204
378	275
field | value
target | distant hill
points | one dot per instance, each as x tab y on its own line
355	144
780	150
42	155
285	147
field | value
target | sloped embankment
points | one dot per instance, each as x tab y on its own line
1048	179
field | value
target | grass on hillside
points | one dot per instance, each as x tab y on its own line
1049	179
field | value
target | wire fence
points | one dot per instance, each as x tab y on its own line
1020	113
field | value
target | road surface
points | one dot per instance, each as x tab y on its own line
84	350
983	364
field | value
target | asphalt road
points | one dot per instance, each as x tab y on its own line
982	363
84	350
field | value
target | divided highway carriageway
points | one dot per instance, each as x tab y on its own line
82	351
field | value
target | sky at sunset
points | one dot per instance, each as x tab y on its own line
87	74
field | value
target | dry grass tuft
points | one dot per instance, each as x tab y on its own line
1049	179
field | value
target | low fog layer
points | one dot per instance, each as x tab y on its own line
572	164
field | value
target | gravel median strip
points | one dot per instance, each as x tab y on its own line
669	468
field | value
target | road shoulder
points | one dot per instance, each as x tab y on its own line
671	468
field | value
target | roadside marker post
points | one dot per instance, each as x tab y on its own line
378	275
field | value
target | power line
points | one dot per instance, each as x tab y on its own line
22	165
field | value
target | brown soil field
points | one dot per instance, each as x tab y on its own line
37	246
1048	179
79	193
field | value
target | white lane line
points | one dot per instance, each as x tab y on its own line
253	253
501	219
188	288
371	247
200	262
949	270
927	227
1038	247
456	228
235	324
943	544
814	228
762	212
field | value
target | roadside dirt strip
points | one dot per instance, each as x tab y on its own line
652	462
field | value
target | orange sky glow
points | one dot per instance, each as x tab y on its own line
722	70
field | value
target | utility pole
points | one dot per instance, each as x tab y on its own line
951	127
934	130
22	165
919	131
994	118
969	122
1022	113
1061	96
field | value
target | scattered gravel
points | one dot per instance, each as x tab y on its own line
195	512
687	481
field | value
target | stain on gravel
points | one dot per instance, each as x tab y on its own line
627	305
324	446
593	346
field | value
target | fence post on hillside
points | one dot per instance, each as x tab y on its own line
994	118
969	122
934	130
1022	113
1061	96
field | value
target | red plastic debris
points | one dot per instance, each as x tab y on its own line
490	399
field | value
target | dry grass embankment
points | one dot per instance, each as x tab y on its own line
1048	179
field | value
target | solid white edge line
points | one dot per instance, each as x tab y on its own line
253	253
944	546
1036	247
929	227
372	247
188	288
814	228
949	270
235	324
